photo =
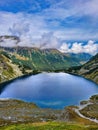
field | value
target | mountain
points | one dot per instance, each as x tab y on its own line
82	57
88	70
44	60
26	60
36	59
16	61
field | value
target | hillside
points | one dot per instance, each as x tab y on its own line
88	70
16	112
36	59
8	70
16	61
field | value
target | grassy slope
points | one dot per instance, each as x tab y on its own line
23	60
91	69
50	126
8	70
15	62
34	58
88	70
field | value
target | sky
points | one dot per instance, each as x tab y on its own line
68	25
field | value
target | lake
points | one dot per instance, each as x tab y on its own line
51	90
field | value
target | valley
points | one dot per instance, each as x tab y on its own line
24	61
48	65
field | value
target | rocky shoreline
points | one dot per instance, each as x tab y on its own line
16	111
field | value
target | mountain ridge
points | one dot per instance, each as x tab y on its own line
88	70
28	60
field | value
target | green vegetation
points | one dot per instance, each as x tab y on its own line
18	61
8	70
19	115
43	60
88	70
50	126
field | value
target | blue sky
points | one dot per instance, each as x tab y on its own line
51	20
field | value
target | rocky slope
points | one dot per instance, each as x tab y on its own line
91	108
8	70
88	70
16	111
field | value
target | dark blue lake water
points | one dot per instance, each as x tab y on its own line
51	90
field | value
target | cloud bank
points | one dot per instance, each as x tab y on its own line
47	23
48	40
90	47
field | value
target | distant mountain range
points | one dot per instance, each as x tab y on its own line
16	61
26	60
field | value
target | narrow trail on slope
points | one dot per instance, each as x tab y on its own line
81	115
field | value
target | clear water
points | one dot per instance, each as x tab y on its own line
51	90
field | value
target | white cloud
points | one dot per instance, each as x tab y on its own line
35	30
48	40
8	42
77	48
66	8
64	48
91	8
91	47
25	41
19	29
35	25
21	24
